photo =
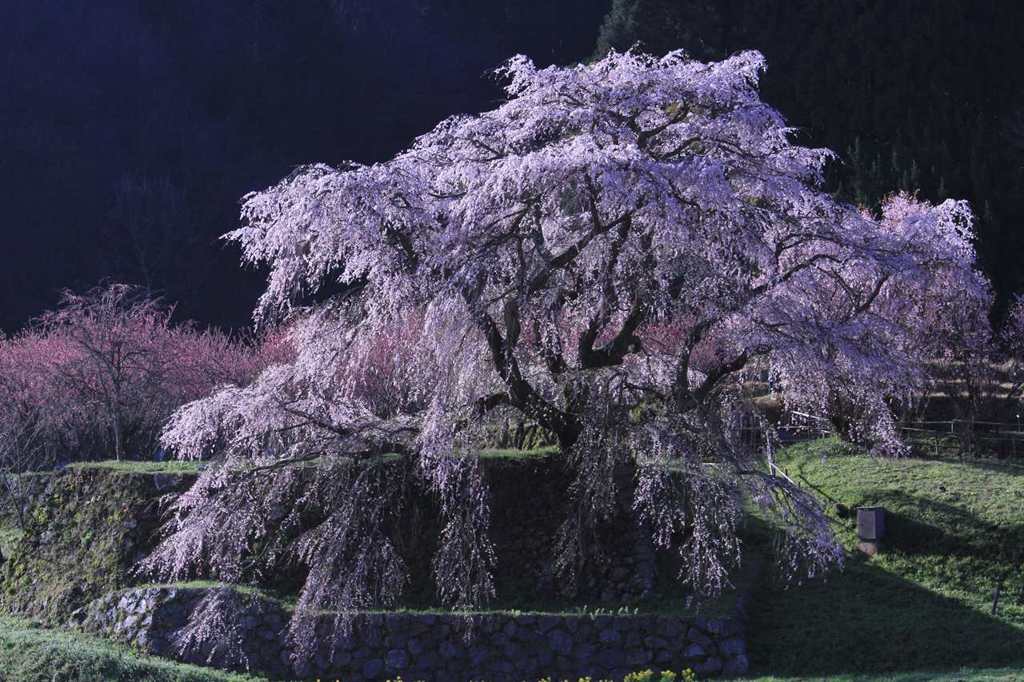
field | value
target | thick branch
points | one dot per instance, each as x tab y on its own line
521	393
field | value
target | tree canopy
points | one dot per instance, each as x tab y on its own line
913	95
610	253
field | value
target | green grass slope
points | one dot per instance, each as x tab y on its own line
33	654
924	603
966	675
172	466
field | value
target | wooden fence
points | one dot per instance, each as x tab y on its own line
965	438
937	438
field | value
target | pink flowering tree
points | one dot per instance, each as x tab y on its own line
606	254
1010	340
945	313
34	415
100	375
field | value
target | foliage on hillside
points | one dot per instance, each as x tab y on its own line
924	603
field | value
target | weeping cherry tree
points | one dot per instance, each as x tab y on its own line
610	254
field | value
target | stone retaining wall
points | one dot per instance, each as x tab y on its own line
85	529
422	646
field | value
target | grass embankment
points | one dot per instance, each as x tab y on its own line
993	675
955	531
661	603
142	467
33	654
920	610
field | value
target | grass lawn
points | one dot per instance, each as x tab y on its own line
32	654
919	610
993	675
141	467
924	603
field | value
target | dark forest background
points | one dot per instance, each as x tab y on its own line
129	130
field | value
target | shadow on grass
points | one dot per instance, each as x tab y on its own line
868	621
1008	466
917	525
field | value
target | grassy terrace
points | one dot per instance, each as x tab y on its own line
193	467
925	602
663	604
32	654
919	610
966	675
138	467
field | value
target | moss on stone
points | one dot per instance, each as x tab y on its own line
84	531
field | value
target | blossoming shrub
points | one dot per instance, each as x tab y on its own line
99	376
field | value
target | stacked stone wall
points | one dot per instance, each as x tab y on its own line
497	646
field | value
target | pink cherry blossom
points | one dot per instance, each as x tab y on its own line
609	254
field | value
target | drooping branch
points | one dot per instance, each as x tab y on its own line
606	252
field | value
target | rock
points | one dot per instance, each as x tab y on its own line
639	657
868	548
715	626
477	655
670	627
166	481
698	637
511	651
609	635
545	623
396	659
77	617
733	646
731	627
502	666
737	665
560	642
159	646
694	651
711	666
610	658
373	668
655	643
